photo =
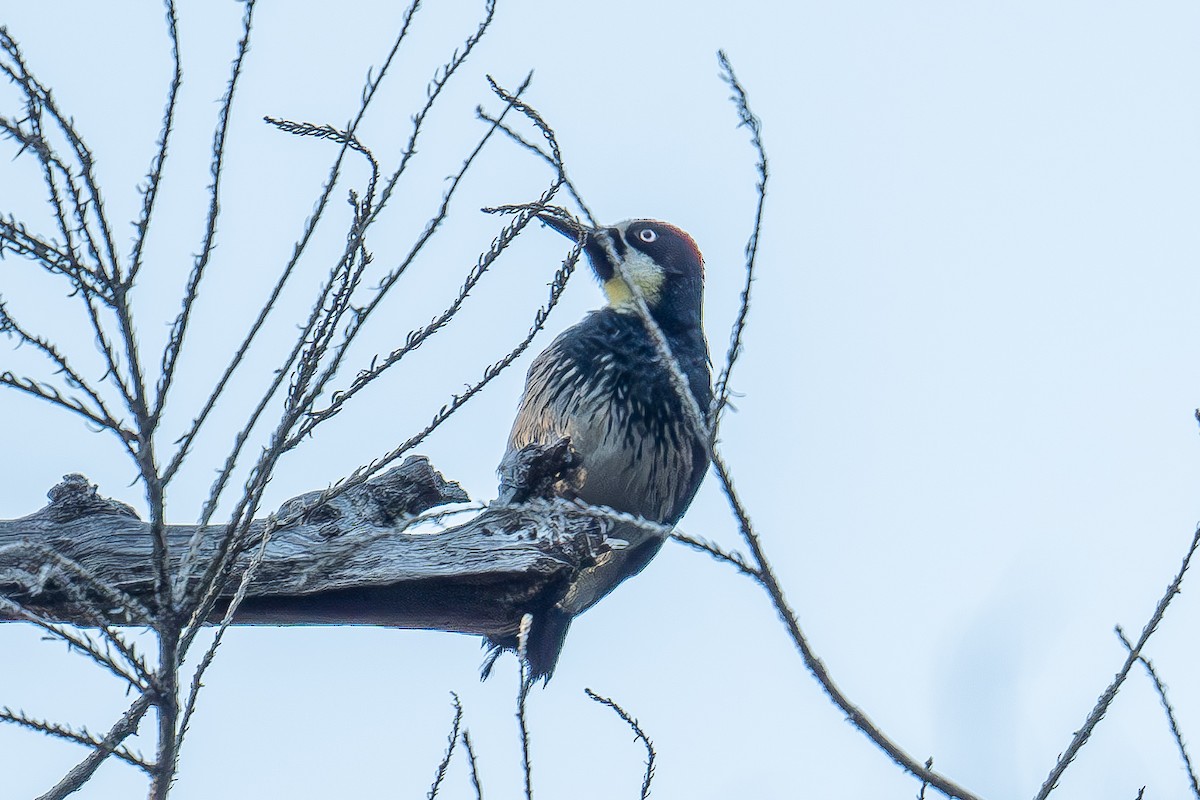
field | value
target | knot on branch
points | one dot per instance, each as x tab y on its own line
75	497
385	501
540	472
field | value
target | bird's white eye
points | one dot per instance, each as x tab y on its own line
647	235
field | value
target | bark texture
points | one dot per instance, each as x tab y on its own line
344	562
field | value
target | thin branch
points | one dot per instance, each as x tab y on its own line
94	200
81	736
51	166
474	768
125	727
432	92
814	665
54	171
353	242
526	682
47	349
132	396
731	557
46	392
415	338
39	99
98	414
365	220
127	651
170	357
220	564
193	625
598	511
155	174
637	732
99	610
766	577
185	441
91	282
79	642
452	740
1176	733
558	284
318	314
330	133
747	118
16	238
925	783
1106	698
498	245
542	154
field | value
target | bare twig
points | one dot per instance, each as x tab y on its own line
84	644
303	404
76	202
154	175
814	665
16	238
175	339
637	732
301	245
1106	698
721	392
731	557
415	338
474	768
526	682
95	410
568	184
432	92
925	783
81	736
1176	733
558	284
125	727
452	740
84	193
194	626
48	393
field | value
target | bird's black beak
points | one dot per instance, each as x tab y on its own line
593	248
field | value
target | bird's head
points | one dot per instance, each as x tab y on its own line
659	259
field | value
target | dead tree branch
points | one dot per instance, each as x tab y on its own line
348	561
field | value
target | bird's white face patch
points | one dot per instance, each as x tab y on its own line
640	270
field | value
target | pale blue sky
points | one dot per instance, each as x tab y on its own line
965	426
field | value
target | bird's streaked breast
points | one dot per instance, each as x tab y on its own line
622	416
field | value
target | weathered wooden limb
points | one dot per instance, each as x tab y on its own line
345	562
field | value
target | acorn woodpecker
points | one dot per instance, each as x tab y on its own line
604	385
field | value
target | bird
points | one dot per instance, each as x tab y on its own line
604	385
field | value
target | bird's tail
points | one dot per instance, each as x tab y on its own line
542	646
